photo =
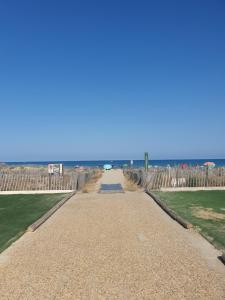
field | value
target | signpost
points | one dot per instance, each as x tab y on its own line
61	169
146	161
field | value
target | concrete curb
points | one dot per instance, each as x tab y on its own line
48	214
191	189
171	213
33	192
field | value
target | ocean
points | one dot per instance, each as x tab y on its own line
120	163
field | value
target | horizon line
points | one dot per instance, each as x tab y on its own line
88	160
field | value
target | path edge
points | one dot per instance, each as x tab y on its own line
48	214
170	212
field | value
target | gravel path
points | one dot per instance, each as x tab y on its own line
111	246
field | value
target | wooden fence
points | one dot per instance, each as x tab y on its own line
39	180
157	178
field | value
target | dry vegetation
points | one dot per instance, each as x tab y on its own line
130	185
207	214
90	186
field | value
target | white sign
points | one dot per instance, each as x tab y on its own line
50	169
55	169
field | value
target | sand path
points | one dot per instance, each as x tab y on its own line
111	246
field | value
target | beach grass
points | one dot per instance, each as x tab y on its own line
17	212
90	186
204	209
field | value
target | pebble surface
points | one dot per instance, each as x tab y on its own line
110	246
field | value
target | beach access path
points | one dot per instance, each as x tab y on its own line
111	246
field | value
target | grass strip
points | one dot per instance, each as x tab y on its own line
17	212
204	209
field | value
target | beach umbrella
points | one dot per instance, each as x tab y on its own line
107	167
184	166
209	164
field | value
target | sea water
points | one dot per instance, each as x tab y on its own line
120	163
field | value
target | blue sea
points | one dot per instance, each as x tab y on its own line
120	163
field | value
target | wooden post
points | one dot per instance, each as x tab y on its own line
146	161
207	176
177	177
49	181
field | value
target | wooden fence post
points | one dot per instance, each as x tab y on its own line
207	176
49	181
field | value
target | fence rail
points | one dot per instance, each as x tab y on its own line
157	178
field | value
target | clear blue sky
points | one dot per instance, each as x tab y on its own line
112	79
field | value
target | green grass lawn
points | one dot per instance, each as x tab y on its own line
204	209
17	212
